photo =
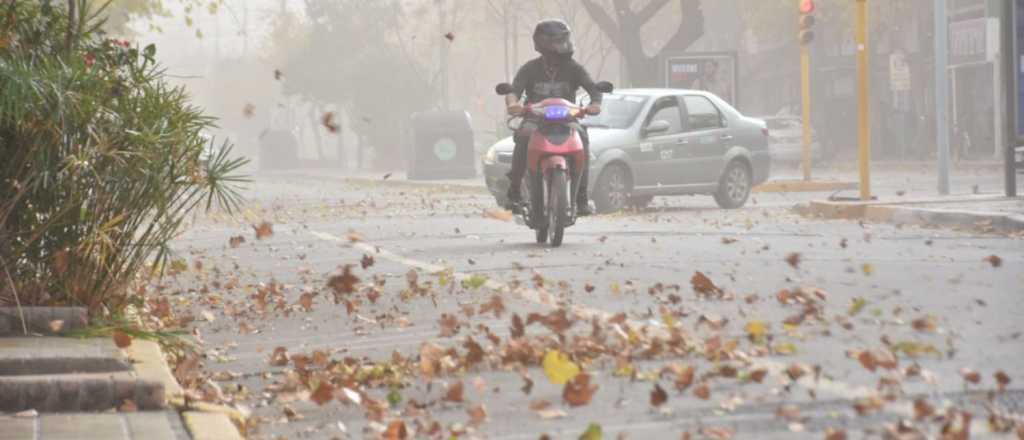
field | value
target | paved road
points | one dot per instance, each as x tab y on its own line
927	296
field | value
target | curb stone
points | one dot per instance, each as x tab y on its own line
415	184
905	213
210	426
210	423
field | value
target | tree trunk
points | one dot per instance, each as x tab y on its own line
624	31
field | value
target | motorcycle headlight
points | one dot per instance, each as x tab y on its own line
491	157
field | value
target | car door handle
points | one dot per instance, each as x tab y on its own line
727	137
683	141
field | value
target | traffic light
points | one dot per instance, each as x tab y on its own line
806	22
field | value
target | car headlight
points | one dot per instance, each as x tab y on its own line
491	157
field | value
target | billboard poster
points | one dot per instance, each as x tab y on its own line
715	73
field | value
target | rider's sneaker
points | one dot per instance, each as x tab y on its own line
514	204
583	210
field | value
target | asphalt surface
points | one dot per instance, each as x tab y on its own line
933	297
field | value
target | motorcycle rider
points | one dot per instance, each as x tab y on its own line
552	75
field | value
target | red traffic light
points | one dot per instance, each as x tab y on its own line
807	6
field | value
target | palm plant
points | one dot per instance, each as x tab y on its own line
101	160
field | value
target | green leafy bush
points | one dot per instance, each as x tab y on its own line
101	160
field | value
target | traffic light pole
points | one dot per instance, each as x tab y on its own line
863	121
805	36
942	93
1011	56
805	86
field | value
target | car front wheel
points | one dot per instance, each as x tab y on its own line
734	187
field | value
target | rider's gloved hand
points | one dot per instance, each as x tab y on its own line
594	109
515	109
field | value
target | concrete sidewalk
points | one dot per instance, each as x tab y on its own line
150	425
986	213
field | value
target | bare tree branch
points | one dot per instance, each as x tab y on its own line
647	13
604	21
690	30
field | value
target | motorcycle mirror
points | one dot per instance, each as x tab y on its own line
605	87
503	89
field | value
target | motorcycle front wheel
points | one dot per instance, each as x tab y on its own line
558	206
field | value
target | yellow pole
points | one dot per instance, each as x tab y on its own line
864	124
805	86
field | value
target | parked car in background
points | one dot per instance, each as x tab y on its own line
785	139
661	142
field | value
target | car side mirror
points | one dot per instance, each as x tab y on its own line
659	126
504	89
605	87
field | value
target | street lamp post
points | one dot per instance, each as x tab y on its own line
863	118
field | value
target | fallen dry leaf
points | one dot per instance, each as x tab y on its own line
1002	380
450	36
835	434
323	394
366	262
56	325
306	301
925	324
499	214
704	286
248	110
263	230
236	241
343	284
551	413
756	330
658	396
970	376
994	260
122	339
922	409
702	392
718	432
684	377
868	405
454	393
477	415
794	260
329	123
396	430
279	357
579	390
27	414
559	368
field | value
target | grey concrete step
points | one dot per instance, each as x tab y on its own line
51	374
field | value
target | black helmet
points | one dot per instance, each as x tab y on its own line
553	37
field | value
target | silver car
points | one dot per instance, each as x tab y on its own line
785	139
661	142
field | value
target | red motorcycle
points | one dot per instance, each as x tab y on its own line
555	161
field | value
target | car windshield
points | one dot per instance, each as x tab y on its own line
617	111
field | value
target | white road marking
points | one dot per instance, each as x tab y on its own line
776	369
